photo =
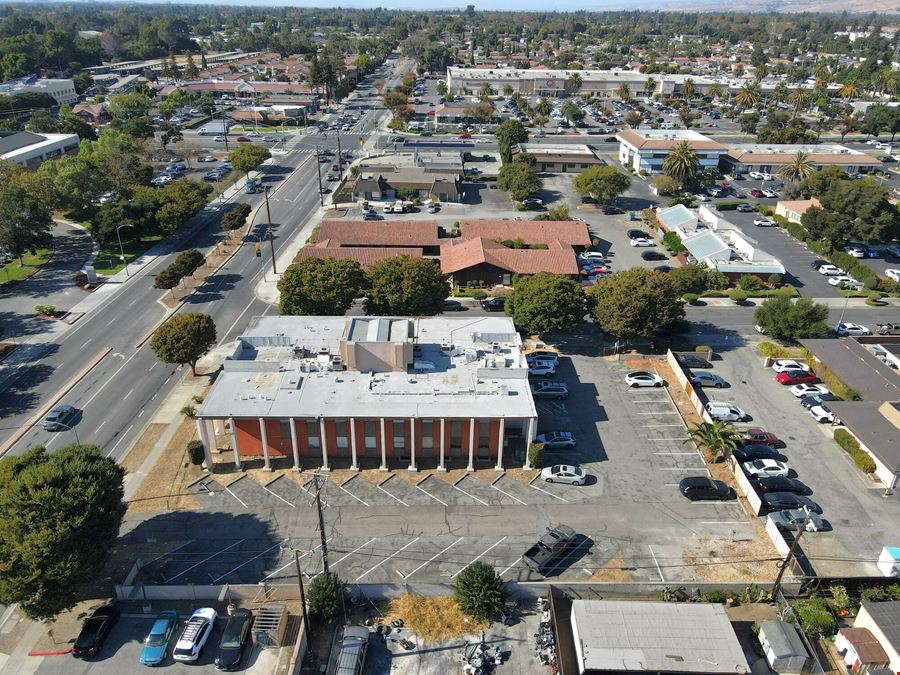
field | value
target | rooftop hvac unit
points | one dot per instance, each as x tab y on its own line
471	355
337	363
495	347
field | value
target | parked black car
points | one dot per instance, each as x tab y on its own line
752	452
768	484
611	210
779	501
454	306
235	639
700	487
693	361
94	632
814	400
494	304
637	234
653	255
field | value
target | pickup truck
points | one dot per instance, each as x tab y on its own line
549	548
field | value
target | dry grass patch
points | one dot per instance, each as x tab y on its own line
612	570
523	475
141	449
452	476
434	619
720	559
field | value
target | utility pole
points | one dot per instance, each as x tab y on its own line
271	239
302	598
321	526
224	129
790	554
319	174
340	157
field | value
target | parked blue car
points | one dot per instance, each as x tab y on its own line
157	642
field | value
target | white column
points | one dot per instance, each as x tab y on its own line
294	445
354	465
324	444
412	444
529	439
265	444
499	466
441	466
211	434
234	444
471	466
384	466
204	438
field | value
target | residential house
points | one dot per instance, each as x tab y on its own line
793	210
92	113
882	619
860	650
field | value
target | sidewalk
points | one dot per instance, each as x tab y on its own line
267	289
854	303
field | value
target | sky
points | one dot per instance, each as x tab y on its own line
506	5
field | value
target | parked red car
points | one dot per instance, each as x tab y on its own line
243	139
756	193
796	377
758	436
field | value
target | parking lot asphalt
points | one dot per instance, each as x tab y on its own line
862	519
121	653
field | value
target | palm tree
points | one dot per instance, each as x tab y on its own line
799	98
650	86
624	91
848	90
540	120
574	82
798	168
543	107
748	96
717	438
779	93
681	163
716	91
688	88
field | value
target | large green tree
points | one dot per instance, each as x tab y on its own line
479	591
118	159
405	286
130	114
179	201
519	179
326	596
545	302
508	134
321	286
246	157
633	303
184	339
60	515
25	222
783	319
603	183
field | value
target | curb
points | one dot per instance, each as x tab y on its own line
65	389
59	652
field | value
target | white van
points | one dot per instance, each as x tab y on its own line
398	207
725	412
666	125
388	208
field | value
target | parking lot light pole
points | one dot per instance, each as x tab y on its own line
121	250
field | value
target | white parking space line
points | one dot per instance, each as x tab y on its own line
210	557
661	577
351	494
174	550
279	497
548	493
285	566
478	557
674	453
681	468
392	496
672	438
724	522
375	567
247	562
507	494
312	494
480	501
662	425
511	566
342	558
659	412
236	497
431	495
430	560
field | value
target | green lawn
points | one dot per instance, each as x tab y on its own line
13	272
108	261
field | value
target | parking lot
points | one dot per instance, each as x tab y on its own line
861	518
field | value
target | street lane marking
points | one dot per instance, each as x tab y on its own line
247	562
430	560
478	557
130	392
341	559
236	497
431	495
661	577
392	496
283	567
121	438
210	557
508	495
480	501
511	566
548	493
375	567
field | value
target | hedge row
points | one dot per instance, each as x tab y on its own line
786	290
855	268
729	206
851	446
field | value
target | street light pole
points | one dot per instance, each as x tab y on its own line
121	250
72	429
319	174
271	239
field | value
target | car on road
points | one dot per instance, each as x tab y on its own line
750	452
766	484
796	377
702	378
637	234
493	304
556	439
846	281
243	139
744	208
888	328
830	270
638	243
782	365
219	139
557	390
541	368
157	641
697	488
755	435
764	222
235	639
822	413
643	378
59	418
653	255
269	139
454	306
806	389
794	519
765	467
563	473
195	634
94	632
692	361
847	328
779	501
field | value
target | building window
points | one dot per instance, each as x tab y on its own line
456	433
312	433
285	428
484	433
341	433
399	437
369	431
427	432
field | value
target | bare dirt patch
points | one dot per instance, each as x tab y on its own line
613	570
435	619
141	449
720	559
523	475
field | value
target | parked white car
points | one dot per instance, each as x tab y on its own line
195	634
766	467
821	413
755	175
855	251
892	274
846	281
801	390
781	365
563	473
764	222
641	242
541	368
847	328
643	378
556	439
830	270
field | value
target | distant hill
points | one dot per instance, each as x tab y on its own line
788	6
